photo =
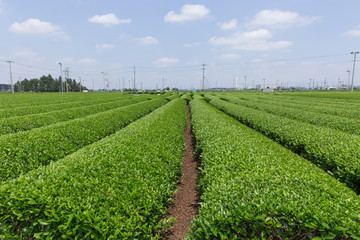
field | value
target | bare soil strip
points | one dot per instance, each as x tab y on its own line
186	204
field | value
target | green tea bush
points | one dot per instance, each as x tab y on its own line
116	188
253	188
25	151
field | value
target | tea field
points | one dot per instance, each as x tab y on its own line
282	165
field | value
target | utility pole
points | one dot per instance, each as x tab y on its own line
106	80
352	82
245	82
348	83
203	78
61	75
67	76
134	78
11	78
123	83
264	83
20	84
313	83
80	84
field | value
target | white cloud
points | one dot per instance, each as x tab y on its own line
87	61
188	12
281	19
352	33
165	62
232	24
257	40
229	56
105	46
108	19
148	40
35	26
191	44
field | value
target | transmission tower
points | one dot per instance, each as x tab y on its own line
11	79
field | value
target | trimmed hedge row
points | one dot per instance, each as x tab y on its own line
332	150
345	124
344	109
173	96
38	109
116	188
25	151
45	99
187	97
253	188
27	122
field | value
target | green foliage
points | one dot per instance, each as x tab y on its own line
332	150
321	113
30	100
173	96
47	84
187	97
27	122
116	188
253	188
40	105
25	151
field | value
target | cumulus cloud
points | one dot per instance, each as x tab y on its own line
187	13
229	56
35	26
165	62
232	24
105	46
108	19
257	40
148	40
281	19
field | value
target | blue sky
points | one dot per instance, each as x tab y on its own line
287	42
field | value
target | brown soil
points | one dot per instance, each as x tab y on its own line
186	200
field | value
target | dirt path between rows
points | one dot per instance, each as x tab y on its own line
186	204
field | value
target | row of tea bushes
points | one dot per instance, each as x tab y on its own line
27	122
116	188
253	188
332	150
345	124
25	151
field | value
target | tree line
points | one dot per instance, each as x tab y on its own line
47	84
